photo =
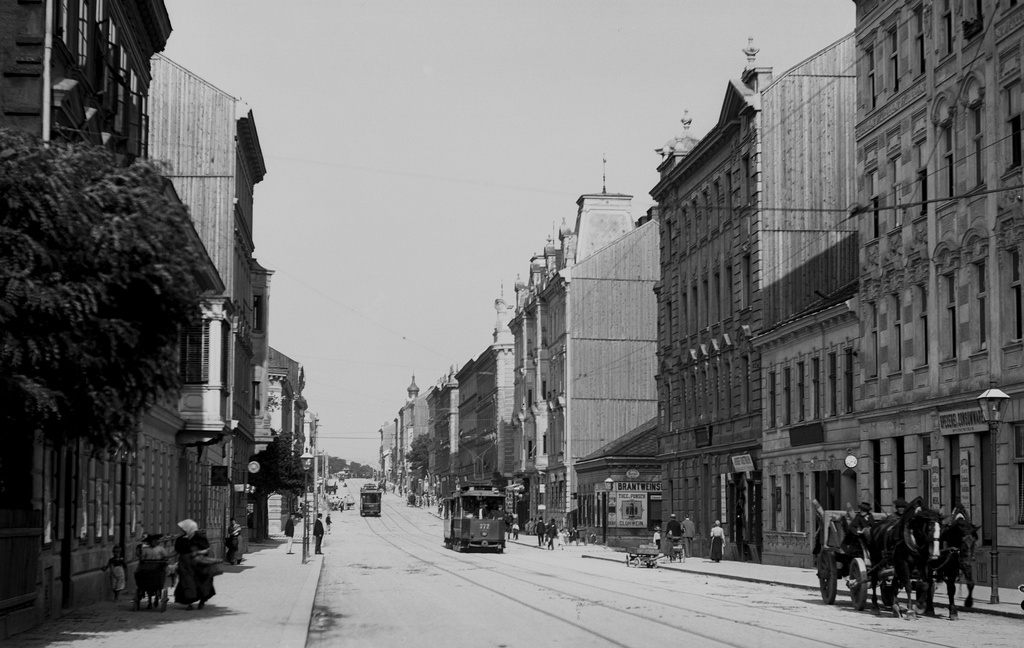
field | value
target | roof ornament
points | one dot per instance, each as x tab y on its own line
686	121
604	173
751	52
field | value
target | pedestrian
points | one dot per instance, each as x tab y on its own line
116	566
717	541
515	528
328	520
657	538
689	533
674	535
318	531
195	571
552	534
542	531
232	555
289	531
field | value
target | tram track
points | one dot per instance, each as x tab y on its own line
394	523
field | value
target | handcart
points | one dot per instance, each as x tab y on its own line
645	554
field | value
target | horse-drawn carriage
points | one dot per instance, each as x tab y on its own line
840	556
910	552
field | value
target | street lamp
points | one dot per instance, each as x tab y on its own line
991	402
307	463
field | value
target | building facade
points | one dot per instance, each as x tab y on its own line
752	229
585	335
938	136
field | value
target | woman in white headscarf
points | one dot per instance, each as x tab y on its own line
195	580
717	541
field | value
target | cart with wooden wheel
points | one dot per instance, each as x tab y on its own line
834	562
645	554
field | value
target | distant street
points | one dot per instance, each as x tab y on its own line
388	581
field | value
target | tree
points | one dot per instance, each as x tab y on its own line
418	457
97	273
280	469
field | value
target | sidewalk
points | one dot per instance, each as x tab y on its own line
265	601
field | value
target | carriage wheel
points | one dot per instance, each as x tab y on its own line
633	561
827	576
859	583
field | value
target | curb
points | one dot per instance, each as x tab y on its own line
296	630
811	588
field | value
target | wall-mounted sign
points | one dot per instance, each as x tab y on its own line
965	478
254	467
638	486
962	421
742	463
936	483
632	473
632	510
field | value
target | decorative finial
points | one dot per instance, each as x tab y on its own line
751	52
604	173
686	120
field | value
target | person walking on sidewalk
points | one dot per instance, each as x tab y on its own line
552	534
231	543
689	533
289	531
195	575
717	541
318	531
328	520
674	533
116	567
542	532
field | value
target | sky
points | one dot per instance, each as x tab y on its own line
419	152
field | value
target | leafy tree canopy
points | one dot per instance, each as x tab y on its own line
96	275
418	456
280	468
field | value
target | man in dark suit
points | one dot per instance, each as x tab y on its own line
318	531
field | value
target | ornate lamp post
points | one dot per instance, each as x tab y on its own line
991	402
307	463
609	484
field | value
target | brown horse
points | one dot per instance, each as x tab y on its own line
901	549
958	539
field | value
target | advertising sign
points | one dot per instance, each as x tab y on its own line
965	478
962	421
632	510
936	480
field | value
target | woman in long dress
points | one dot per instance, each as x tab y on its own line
195	578
717	541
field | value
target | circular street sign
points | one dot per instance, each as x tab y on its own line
254	466
851	461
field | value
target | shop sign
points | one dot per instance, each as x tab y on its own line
936	479
742	463
965	478
638	486
631	510
962	421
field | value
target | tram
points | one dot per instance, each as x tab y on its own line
369	500
474	517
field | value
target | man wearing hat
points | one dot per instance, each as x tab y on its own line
900	507
673	533
860	527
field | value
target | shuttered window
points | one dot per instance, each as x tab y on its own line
225	350
195	353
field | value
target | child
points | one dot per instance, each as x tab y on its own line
116	567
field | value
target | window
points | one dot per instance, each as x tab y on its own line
1015	289
922	176
772	413
727	291
922	319
696	306
947	25
801	485
979	271
873	323
775	503
816	386
1013	124
848	379
728	387
787	503
1018	460
801	392
745	383
869	58
683	315
747	281
787	396
951	315
256	398
876	222
716	397
978	144
717	281
833	383
257	312
707	302
900	450
919	39
947	158
897	333
84	32
894	60
194	353
894	180
748	180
